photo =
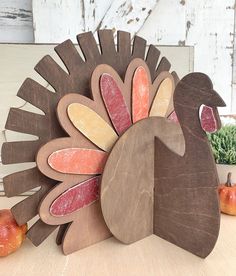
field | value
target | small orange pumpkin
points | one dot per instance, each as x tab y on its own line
11	234
227	194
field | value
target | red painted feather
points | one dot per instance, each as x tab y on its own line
75	198
115	103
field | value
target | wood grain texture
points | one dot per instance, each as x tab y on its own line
76	235
17	62
83	119
128	178
185	195
87	227
74	77
151	256
46	127
169	192
19	59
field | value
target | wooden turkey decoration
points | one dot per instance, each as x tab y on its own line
111	158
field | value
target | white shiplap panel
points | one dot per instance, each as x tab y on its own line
55	20
16	21
208	25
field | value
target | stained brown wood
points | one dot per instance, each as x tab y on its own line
68	119
90	216
185	196
164	65
40	231
94	230
128	178
87	227
76	80
160	187
153	55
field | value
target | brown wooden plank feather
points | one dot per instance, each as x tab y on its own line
107	45
40	231
36	94
24	121
23	181
123	48
176	77
89	47
139	47
152	58
69	56
54	74
30	204
164	65
19	152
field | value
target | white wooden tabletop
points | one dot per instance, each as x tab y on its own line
151	256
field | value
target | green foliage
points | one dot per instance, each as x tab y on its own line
223	144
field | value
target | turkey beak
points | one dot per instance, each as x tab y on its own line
215	100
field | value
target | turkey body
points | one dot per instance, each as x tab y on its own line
127	188
160	177
152	185
186	198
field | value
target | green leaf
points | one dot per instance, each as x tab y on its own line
223	144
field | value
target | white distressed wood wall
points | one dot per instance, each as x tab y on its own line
16	21
208	25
